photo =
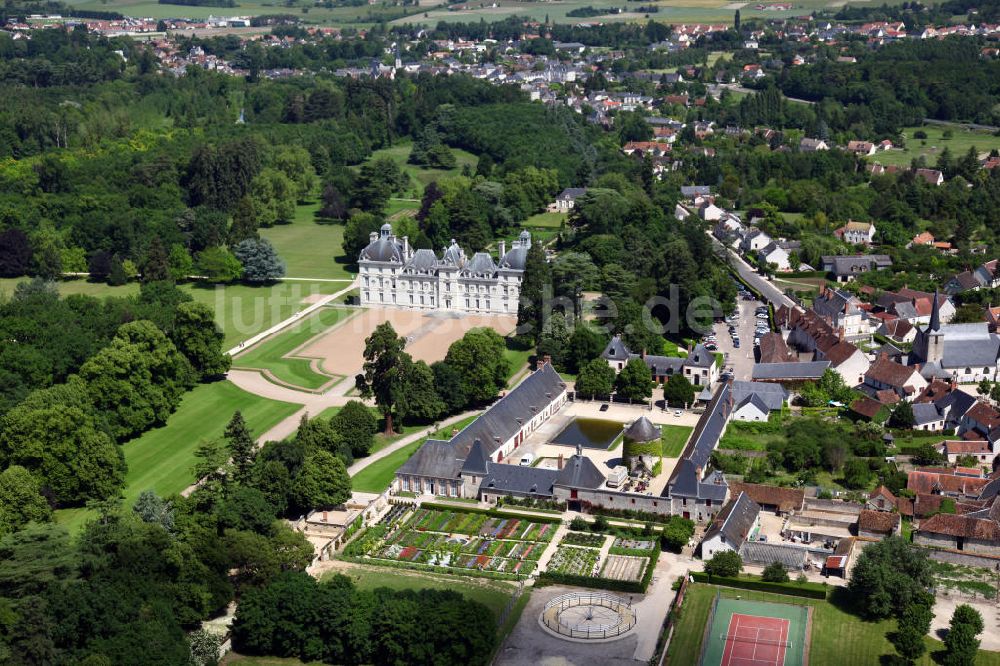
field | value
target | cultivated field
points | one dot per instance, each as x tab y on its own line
932	147
455	540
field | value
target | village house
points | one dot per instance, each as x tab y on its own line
808	332
738	522
779	254
845	268
915	306
977	532
861	148
567	199
953	449
856	233
984	276
963	352
844	312
885	374
699	366
807	145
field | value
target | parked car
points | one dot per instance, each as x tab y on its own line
604	407
677	412
527	459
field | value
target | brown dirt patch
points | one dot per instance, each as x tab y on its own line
428	335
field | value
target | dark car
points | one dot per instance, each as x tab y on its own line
604	407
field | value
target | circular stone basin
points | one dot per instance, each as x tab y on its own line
588	616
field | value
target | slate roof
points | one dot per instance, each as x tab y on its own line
476	462
686	481
436	459
789	371
615	350
642	430
735	520
517	256
844	265
772	396
690	191
422	261
926	412
571	193
501	420
700	357
453	255
481	264
384	249
519	480
580	472
969	345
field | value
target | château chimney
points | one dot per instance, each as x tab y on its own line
406	248
503	248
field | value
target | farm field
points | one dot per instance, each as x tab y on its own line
674	438
161	459
838	637
310	250
931	147
420	177
363	15
273	355
376	477
458	540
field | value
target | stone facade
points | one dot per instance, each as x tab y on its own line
393	274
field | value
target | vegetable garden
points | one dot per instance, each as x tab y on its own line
460	541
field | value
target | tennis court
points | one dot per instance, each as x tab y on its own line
755	633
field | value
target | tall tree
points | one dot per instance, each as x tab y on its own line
15	253
241	446
322	482
596	379
156	264
260	260
962	642
530	311
634	382
889	575
21	500
199	338
357	426
383	377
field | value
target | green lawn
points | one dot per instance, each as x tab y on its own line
674	438
492	594
546	220
161	459
376	477
932	147
420	177
381	441
397	208
310	250
838	636
272	354
517	359
240	310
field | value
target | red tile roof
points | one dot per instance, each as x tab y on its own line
961	526
884	522
786	499
931	482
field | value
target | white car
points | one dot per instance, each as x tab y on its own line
677	412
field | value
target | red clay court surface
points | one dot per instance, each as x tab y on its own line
755	641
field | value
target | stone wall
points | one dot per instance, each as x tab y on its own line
964	558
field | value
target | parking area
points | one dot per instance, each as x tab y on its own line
741	359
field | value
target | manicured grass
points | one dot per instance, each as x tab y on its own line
419	176
838	636
492	594
162	459
397	208
381	441
549	220
935	143
674	438
517	359
272	354
310	250
240	310
376	477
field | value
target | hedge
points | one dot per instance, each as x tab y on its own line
654	448
495	513
807	590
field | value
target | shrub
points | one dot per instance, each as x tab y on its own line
806	589
726	563
775	572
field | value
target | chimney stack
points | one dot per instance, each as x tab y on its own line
373	236
406	247
561	461
503	248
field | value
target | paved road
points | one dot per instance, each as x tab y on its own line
752	277
305	312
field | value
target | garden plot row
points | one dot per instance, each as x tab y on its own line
624	567
478	524
455	560
434	541
583	539
574	561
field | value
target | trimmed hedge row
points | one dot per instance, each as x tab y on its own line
495	513
807	590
